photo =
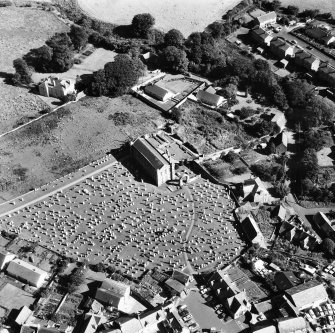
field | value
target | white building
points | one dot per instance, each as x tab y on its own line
27	273
54	87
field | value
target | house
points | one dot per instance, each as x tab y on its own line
159	167
27	273
307	60
157	92
23	315
113	293
279	120
5	258
261	36
307	295
281	212
255	191
280	48
54	87
182	277
146	322
175	287
326	73
235	290
320	33
90	323
266	19
293	325
210	99
280	143
286	280
324	224
252	231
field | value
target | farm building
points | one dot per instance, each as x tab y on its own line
27	273
158	92
266	19
307	60
113	293
260	36
54	87
210	99
307	295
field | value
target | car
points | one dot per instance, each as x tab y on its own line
312	313
217	307
187	317
293	41
193	329
182	307
309	47
184	313
277	29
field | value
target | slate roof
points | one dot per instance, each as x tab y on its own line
149	153
180	276
307	293
156	91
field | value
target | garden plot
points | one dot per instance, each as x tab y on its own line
134	226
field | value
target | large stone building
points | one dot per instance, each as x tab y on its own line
158	154
54	87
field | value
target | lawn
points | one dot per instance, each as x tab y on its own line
186	16
70	138
21	29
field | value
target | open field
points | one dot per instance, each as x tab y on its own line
324	6
70	138
21	29
133	225
89	64
187	16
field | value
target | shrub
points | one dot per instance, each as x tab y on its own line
240	170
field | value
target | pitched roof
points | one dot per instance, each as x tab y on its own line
91	323
180	276
149	153
23	315
281	138
26	271
307	293
286	280
156	91
117	288
267	17
290	325
175	285
209	98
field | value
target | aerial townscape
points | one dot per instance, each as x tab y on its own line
167	166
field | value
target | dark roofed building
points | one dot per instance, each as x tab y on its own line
280	141
183	278
327	73
252	231
158	92
175	287
152	162
281	48
307	295
286	280
307	60
210	99
261	36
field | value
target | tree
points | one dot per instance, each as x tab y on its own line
78	36
22	72
174	59
230	157
174	38
216	29
155	37
292	10
117	77
281	189
309	167
43	57
328	247
141	24
275	5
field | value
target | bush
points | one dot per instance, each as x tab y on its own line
245	112
231	157
328	247
240	170
141	24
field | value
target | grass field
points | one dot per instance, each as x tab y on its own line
69	139
131	224
188	16
21	29
324	6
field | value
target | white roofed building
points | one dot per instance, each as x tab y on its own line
54	87
210	99
27	273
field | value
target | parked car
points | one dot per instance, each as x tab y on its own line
309	47
187	317
184	313
293	41
182	307
277	29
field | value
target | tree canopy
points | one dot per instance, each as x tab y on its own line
174	38
141	24
174	59
22	72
